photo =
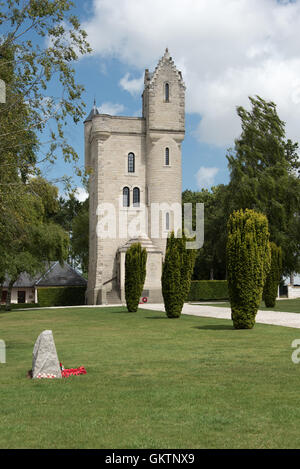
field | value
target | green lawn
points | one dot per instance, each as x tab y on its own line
151	382
288	306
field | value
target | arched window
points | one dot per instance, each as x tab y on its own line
167	157
126	197
167	221
131	163
136	197
167	92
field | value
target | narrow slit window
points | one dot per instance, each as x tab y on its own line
136	197
126	197
167	157
167	221
167	92
131	163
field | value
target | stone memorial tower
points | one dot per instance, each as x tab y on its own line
135	184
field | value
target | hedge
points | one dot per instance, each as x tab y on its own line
61	296
20	306
208	290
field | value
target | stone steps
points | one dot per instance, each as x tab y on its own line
113	298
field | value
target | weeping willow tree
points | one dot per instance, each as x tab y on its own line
264	176
273	278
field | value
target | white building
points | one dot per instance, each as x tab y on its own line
26	287
293	286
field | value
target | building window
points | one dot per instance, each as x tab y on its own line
126	197
136	197
3	296
167	157
167	221
131	163
21	296
167	92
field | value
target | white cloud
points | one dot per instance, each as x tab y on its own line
111	108
134	85
205	177
81	194
227	50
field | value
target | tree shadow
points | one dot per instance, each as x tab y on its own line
217	327
124	312
156	317
120	311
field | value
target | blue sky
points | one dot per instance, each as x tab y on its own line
226	50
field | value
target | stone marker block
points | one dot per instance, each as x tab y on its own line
45	362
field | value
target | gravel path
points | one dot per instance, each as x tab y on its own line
265	317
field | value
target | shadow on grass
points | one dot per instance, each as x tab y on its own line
2	311
217	327
158	317
123	312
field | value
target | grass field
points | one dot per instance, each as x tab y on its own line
287	306
151	382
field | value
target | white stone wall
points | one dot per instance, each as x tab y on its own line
164	183
293	292
112	139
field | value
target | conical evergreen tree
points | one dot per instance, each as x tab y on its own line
176	275
248	263
135	274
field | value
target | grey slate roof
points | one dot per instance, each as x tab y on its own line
58	276
24	281
53	276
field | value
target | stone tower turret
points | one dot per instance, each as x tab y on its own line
164	113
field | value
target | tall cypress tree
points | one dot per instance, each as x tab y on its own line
135	274
248	263
177	272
